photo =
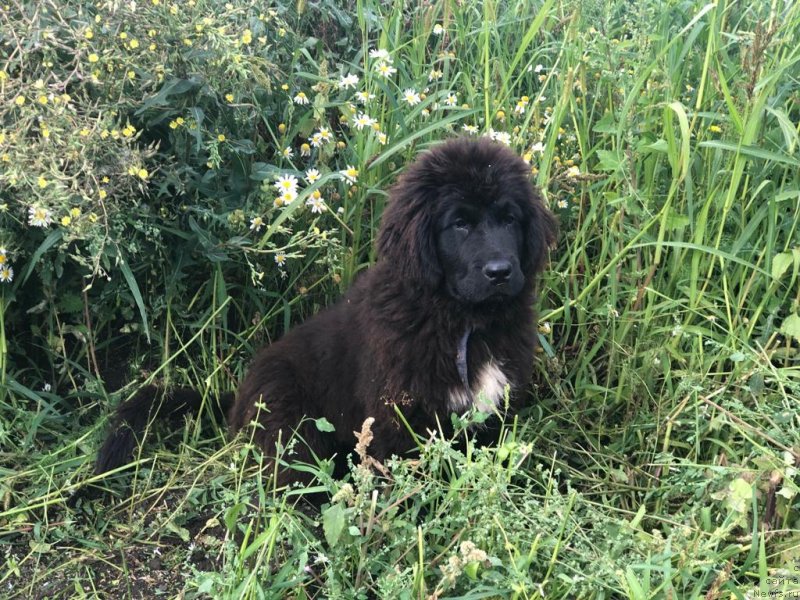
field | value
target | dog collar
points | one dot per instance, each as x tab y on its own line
461	358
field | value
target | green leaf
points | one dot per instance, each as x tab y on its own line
231	514
605	125
609	160
471	570
752	152
137	295
324	425
660	145
181	532
635	588
39	547
741	492
260	171
171	87
683	123
333	523
675	221
48	243
791	326
737	357
781	263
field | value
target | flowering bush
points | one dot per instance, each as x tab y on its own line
132	141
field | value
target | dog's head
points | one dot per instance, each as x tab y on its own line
465	216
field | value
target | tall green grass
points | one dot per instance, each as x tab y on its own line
658	457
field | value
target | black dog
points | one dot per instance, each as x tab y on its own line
443	321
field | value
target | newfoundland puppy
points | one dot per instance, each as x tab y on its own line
442	322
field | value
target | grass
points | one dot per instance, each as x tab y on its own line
658	456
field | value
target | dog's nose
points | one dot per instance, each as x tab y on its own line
497	271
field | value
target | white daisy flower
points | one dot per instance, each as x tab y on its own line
286	183
364	97
500	136
470	129
312	175
316	140
348	81
256	223
438	29
39	216
435	75
316	203
280	259
286	198
385	69
301	98
6	274
382	55
363	120
451	100
350	174
411	96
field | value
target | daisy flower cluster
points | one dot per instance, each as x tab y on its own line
383	62
6	270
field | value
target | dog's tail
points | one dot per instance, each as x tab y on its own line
150	404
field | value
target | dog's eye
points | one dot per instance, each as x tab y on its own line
509	220
460	223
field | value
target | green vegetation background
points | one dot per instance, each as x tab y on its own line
159	219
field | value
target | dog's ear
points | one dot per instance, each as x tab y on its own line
407	237
541	234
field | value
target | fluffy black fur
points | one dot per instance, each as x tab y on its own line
443	320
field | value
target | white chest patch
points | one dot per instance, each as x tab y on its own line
488	391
